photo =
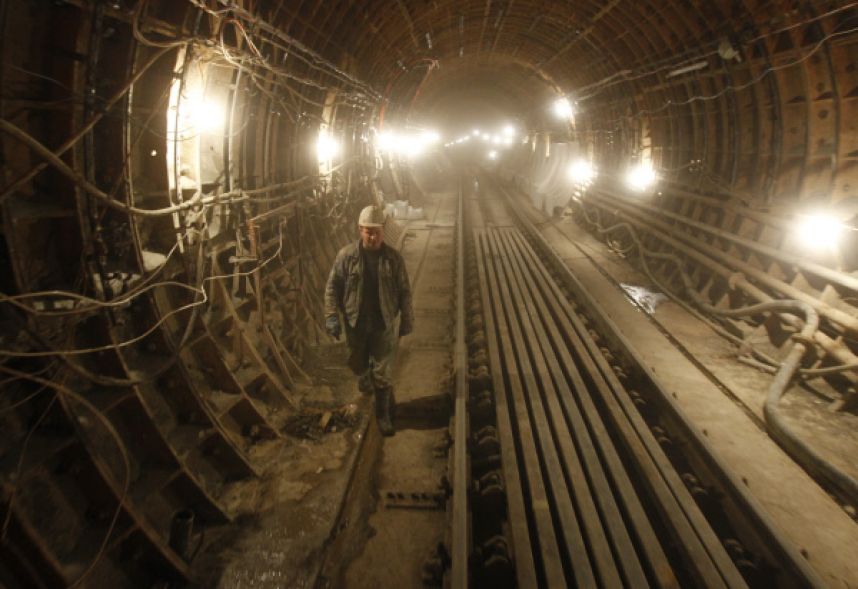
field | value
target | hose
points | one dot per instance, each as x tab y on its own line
778	429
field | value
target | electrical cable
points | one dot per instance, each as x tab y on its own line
610	80
197	200
83	131
4	386
141	38
125	299
64	391
776	425
114	346
729	87
293	43
692	292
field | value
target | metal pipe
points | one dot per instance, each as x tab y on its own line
776	425
460	542
831	346
829	274
806	456
836	315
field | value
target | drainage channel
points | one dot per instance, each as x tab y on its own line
575	479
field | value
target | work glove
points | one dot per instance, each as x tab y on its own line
332	326
405	328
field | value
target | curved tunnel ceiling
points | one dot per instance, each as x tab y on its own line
697	75
154	151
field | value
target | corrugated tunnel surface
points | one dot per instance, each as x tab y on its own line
631	231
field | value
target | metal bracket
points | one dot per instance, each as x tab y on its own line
426	500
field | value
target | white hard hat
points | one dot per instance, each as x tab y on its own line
371	216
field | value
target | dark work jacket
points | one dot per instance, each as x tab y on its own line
345	287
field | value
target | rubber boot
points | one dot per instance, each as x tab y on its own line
382	411
365	385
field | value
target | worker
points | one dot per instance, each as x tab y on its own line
369	287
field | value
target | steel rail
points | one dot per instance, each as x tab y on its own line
693	533
571	389
530	409
702	553
549	556
461	476
597	542
795	570
516	492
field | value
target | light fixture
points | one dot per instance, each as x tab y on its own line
408	144
509	130
475	132
582	172
493	155
326	146
206	115
640	177
688	69
386	141
429	137
819	231
412	147
562	108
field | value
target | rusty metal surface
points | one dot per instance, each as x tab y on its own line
179	381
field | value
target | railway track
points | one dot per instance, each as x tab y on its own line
570	466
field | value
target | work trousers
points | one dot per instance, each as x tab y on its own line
372	354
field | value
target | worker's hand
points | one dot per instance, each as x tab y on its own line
405	328
332	326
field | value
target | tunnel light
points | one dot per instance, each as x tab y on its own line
688	69
640	177
562	108
493	155
820	231
407	144
386	141
208	116
475	132
582	172
412	147
430	137
486	137
509	130
326	146
203	114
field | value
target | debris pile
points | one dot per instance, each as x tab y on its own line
312	425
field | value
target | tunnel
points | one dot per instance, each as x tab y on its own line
617	282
